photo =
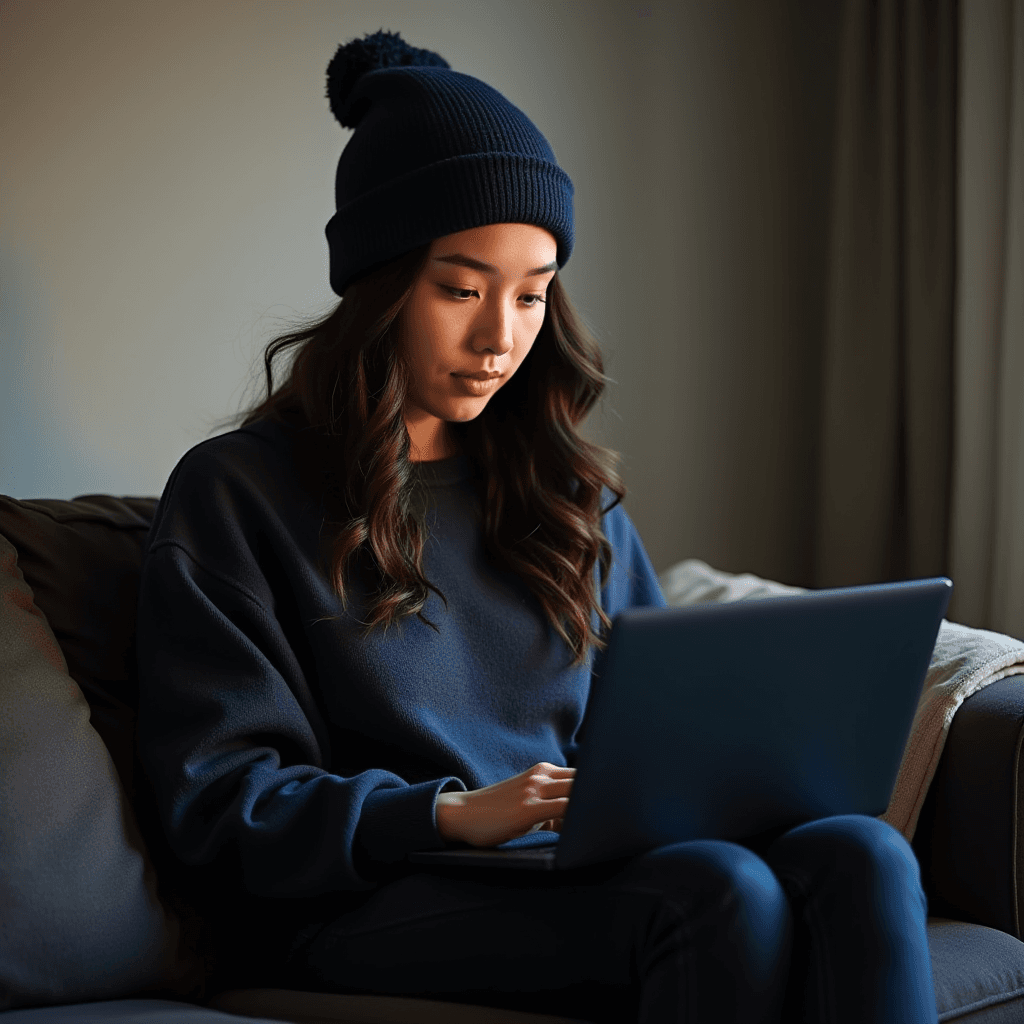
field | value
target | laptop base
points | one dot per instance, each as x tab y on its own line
536	858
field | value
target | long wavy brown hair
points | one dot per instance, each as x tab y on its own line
540	485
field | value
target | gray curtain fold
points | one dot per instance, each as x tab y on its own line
885	455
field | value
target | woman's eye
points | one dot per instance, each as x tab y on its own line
462	294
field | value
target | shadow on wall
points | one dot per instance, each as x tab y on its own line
36	447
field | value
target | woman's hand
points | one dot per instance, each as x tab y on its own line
533	800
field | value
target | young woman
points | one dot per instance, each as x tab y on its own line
367	617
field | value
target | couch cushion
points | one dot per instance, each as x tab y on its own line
327	1008
978	971
81	916
82	559
128	1011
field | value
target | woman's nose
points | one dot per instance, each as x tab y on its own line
495	330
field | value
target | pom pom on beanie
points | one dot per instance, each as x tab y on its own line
354	59
432	152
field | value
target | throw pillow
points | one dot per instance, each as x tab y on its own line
82	560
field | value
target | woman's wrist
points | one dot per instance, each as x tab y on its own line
448	809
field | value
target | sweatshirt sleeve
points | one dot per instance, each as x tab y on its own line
229	733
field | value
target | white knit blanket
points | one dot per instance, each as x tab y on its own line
964	661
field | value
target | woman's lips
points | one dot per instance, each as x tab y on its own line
475	386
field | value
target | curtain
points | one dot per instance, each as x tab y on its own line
921	455
987	536
886	442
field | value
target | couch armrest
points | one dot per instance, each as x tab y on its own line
970	835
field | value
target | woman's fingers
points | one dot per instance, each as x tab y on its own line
512	807
550	777
549	789
551	825
553	808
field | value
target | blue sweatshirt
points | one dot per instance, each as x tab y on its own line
315	754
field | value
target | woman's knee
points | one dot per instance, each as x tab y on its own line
713	876
854	846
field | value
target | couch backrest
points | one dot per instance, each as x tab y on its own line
82	915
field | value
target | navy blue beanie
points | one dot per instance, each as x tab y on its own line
433	152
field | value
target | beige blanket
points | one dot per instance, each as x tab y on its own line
964	661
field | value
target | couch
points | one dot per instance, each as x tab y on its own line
97	924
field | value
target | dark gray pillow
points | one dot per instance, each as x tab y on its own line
82	559
81	919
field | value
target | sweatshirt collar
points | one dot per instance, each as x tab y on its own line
443	472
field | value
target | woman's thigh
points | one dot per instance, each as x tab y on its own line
683	922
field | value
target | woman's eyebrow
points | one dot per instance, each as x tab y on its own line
462	260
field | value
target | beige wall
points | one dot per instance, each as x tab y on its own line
167	172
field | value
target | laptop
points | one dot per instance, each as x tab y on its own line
736	721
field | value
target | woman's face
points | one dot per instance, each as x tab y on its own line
476	307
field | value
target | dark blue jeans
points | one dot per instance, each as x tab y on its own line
825	924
